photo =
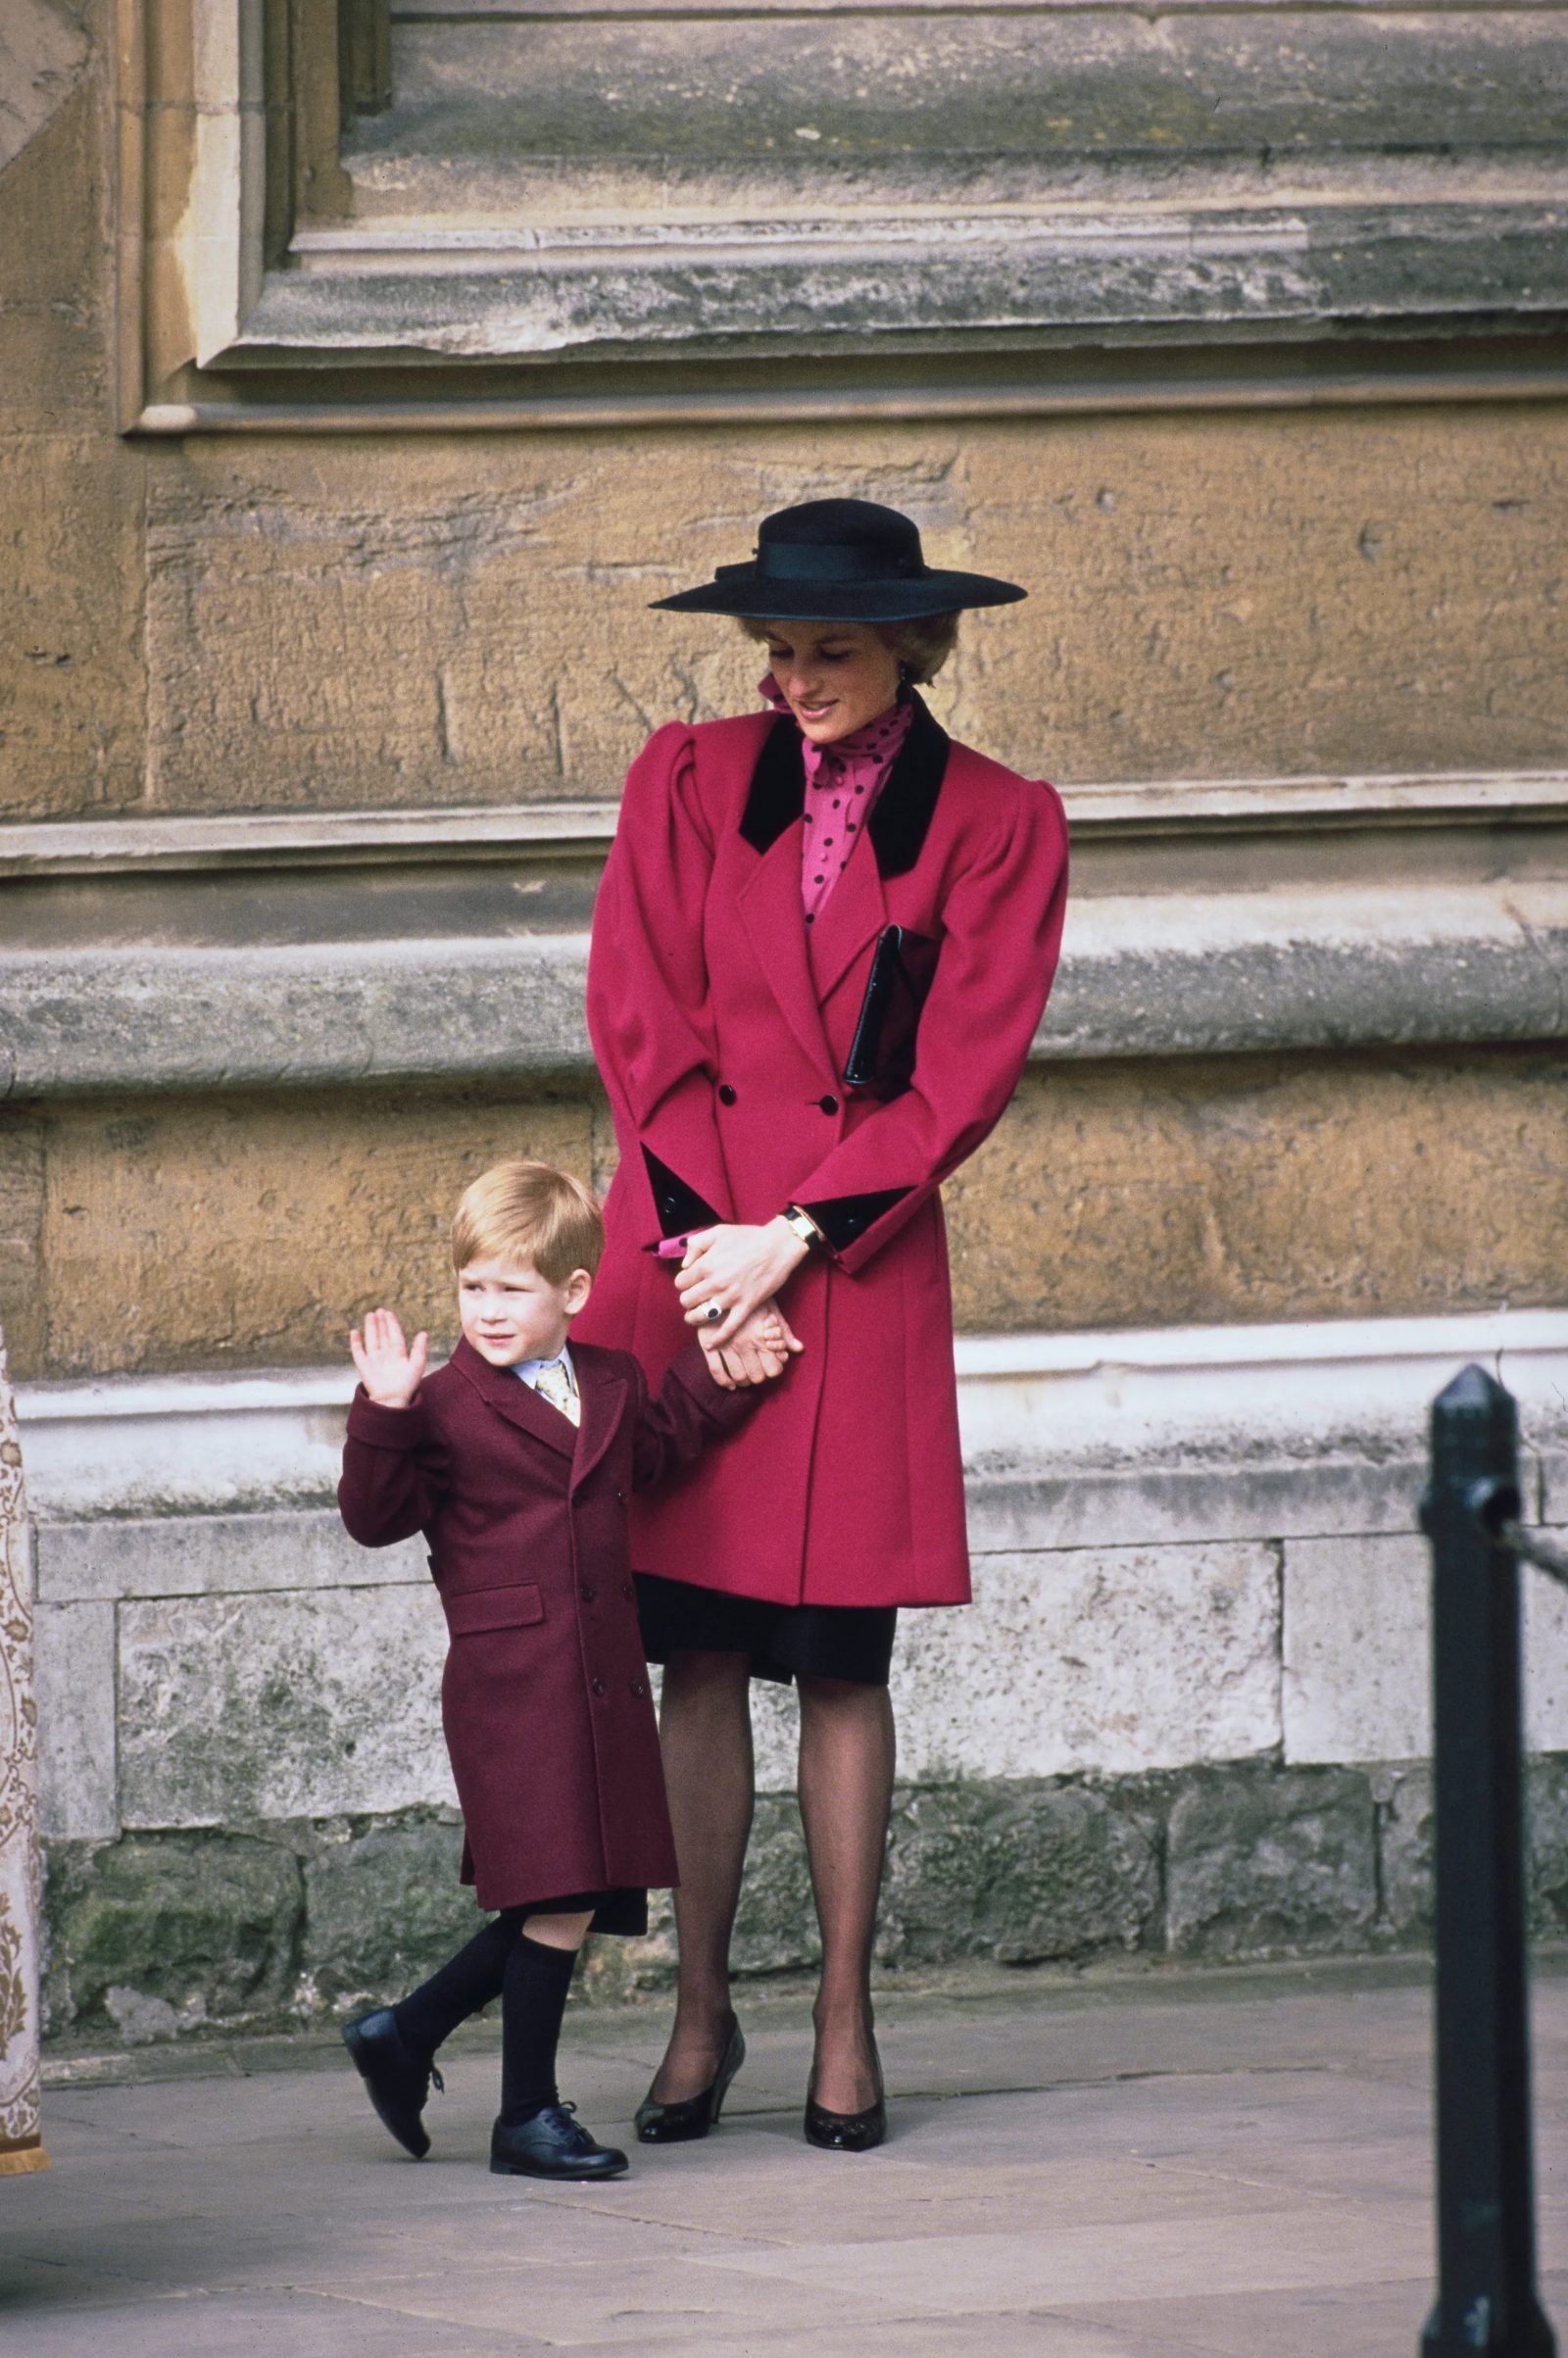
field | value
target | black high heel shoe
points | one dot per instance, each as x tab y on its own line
847	2131
678	2124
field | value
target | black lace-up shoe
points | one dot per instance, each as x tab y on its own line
398	2079
550	2143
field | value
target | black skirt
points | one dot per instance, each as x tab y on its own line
781	1641
623	1910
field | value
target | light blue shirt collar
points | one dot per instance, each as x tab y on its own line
529	1369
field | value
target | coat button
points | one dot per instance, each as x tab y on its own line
726	1095
598	1686
829	1105
586	1594
628	1592
638	1687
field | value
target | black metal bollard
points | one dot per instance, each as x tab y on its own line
1487	2296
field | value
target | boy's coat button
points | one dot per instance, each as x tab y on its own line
829	1105
598	1686
726	1095
587	1594
628	1592
638	1687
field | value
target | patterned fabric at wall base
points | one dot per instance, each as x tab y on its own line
21	2139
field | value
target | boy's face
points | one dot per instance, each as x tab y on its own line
510	1313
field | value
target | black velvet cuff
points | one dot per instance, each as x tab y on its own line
845	1218
679	1207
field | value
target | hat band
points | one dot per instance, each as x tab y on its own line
831	560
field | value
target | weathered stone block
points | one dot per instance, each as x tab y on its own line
1161	1192
1543	1639
207	1555
1271	1860
1403	1793
383	1908
1095	1659
74	1677
1358	1671
236	1709
1546	1847
1017	1873
157	1934
295	1215
1218	596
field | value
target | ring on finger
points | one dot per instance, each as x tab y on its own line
713	1313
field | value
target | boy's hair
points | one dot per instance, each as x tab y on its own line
527	1211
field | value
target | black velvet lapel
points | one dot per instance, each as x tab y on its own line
777	794
904	808
908	803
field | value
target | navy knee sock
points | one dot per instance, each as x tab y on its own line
533	2000
474	1978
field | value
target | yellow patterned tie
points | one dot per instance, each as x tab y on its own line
555	1385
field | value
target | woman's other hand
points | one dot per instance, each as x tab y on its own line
762	1350
390	1370
739	1268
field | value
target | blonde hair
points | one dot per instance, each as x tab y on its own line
921	647
527	1211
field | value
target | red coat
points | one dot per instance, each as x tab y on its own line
545	1696
721	1029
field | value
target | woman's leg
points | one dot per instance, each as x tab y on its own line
847	1757
705	1729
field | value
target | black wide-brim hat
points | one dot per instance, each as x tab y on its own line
839	560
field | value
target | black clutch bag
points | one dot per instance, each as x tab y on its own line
881	1060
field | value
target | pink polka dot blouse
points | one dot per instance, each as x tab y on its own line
842	783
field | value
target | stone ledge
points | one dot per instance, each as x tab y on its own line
1449	267
195	843
1315	1398
1141	976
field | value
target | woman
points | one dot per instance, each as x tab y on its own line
783	1138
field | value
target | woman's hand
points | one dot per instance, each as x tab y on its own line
738	1269
761	1349
390	1370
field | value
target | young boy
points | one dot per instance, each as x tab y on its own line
516	1460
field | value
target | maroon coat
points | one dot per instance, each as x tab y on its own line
544	1699
722	1028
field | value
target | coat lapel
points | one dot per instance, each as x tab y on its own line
518	1403
603	1404
852	915
908	803
770	910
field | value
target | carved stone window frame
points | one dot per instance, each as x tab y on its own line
229	117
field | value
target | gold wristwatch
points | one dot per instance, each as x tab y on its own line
803	1226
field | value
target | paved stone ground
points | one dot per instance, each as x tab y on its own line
1157	2166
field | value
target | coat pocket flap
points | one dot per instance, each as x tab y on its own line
472	1610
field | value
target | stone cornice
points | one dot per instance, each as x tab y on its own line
584	828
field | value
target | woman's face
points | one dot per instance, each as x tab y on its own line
836	676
